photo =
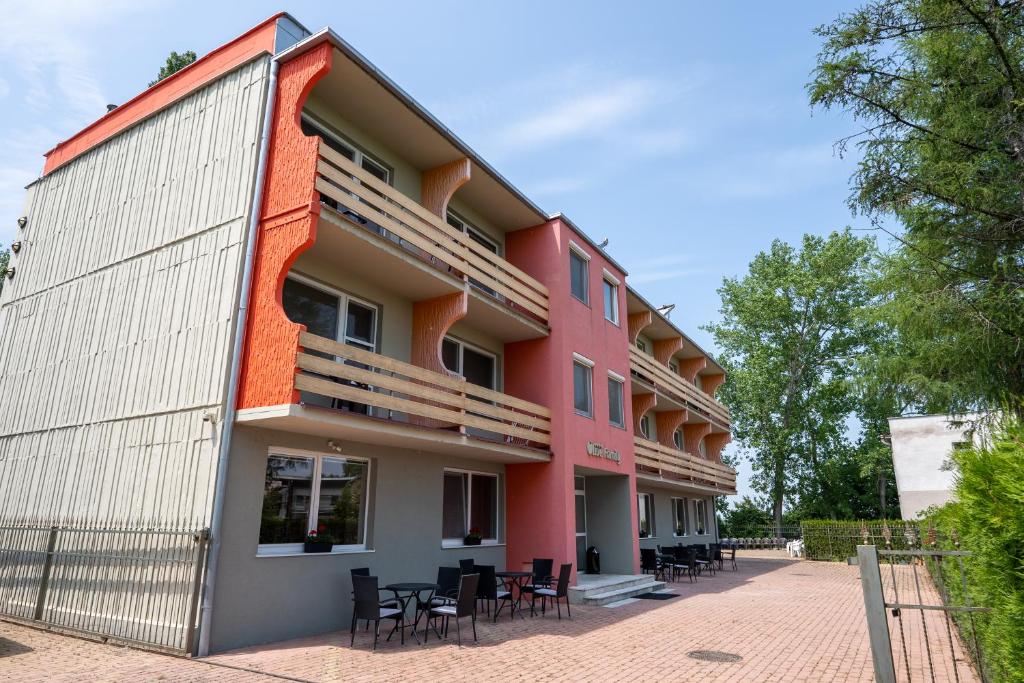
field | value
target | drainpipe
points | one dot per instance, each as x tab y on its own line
206	616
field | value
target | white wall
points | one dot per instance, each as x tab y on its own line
116	331
921	447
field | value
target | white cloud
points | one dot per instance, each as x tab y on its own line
662	268
557	186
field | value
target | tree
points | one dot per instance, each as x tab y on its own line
788	332
175	63
938	88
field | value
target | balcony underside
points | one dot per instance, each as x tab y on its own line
339	424
667	401
657	480
659	464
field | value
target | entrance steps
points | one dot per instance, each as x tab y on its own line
601	589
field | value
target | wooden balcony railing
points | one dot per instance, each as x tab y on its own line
418	229
392	386
664	380
670	463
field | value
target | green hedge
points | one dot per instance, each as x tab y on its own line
837	540
988	520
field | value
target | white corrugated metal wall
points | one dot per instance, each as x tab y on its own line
115	331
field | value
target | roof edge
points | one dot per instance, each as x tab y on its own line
654	310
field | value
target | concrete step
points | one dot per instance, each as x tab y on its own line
590	584
617	593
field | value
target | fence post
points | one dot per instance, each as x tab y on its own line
874	609
44	579
202	541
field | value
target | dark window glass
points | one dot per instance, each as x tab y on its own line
361	324
342	507
478	368
287	492
450	356
578	276
611	301
315	309
581	387
453	514
615	416
484	512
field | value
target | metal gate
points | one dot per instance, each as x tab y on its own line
922	625
138	586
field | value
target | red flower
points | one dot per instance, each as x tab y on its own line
312	532
322	527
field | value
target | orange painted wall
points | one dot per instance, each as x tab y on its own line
289	216
255	41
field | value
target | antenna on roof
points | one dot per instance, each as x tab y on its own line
604	243
111	107
666	310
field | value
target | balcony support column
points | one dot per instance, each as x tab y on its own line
440	183
689	367
715	443
431	320
641	404
664	349
711	383
668	422
693	434
636	323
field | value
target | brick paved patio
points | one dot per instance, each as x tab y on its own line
787	620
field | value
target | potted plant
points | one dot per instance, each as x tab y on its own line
643	533
318	540
473	537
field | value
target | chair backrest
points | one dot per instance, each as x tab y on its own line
648	558
562	589
467	566
448	581
542	568
365	597
466	602
487	589
360	571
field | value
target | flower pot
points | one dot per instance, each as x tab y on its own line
471	540
317	546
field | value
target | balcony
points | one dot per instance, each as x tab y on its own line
376	211
667	465
380	400
675	388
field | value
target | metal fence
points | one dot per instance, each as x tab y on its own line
139	586
759	535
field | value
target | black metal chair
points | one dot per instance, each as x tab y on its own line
715	552
465	606
387	602
703	559
540	576
467	566
649	563
731	556
490	592
367	606
447	591
561	591
686	559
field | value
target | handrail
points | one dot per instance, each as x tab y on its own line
681	464
369	197
394	385
661	376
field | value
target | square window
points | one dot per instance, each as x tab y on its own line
645	510
578	276
342	503
287	490
615	412
582	388
679	521
611	301
470	502
701	518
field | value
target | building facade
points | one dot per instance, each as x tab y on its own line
278	295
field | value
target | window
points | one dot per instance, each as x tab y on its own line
674	367
336	316
701	525
645	505
478	366
470	501
645	426
611	299
698	382
616	416
464	226
578	275
346	149
308	491
641	345
679	516
702	449
677	439
583	386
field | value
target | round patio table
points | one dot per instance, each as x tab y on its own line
518	579
411	589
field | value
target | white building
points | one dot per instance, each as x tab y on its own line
921	446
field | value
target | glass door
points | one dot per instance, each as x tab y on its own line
581	524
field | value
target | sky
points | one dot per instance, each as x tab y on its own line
680	131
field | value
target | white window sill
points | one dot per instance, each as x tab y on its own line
299	553
448	545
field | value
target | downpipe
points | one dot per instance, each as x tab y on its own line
228	424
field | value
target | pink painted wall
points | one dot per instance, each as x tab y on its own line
540	500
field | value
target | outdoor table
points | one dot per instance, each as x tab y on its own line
411	589
518	579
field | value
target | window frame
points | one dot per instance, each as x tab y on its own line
576	251
498	519
462	346
678	440
588	365
700	509
680	503
641	345
645	426
610	282
358	152
640	502
616	378
272	549
341	332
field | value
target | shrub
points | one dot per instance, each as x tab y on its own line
988	519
